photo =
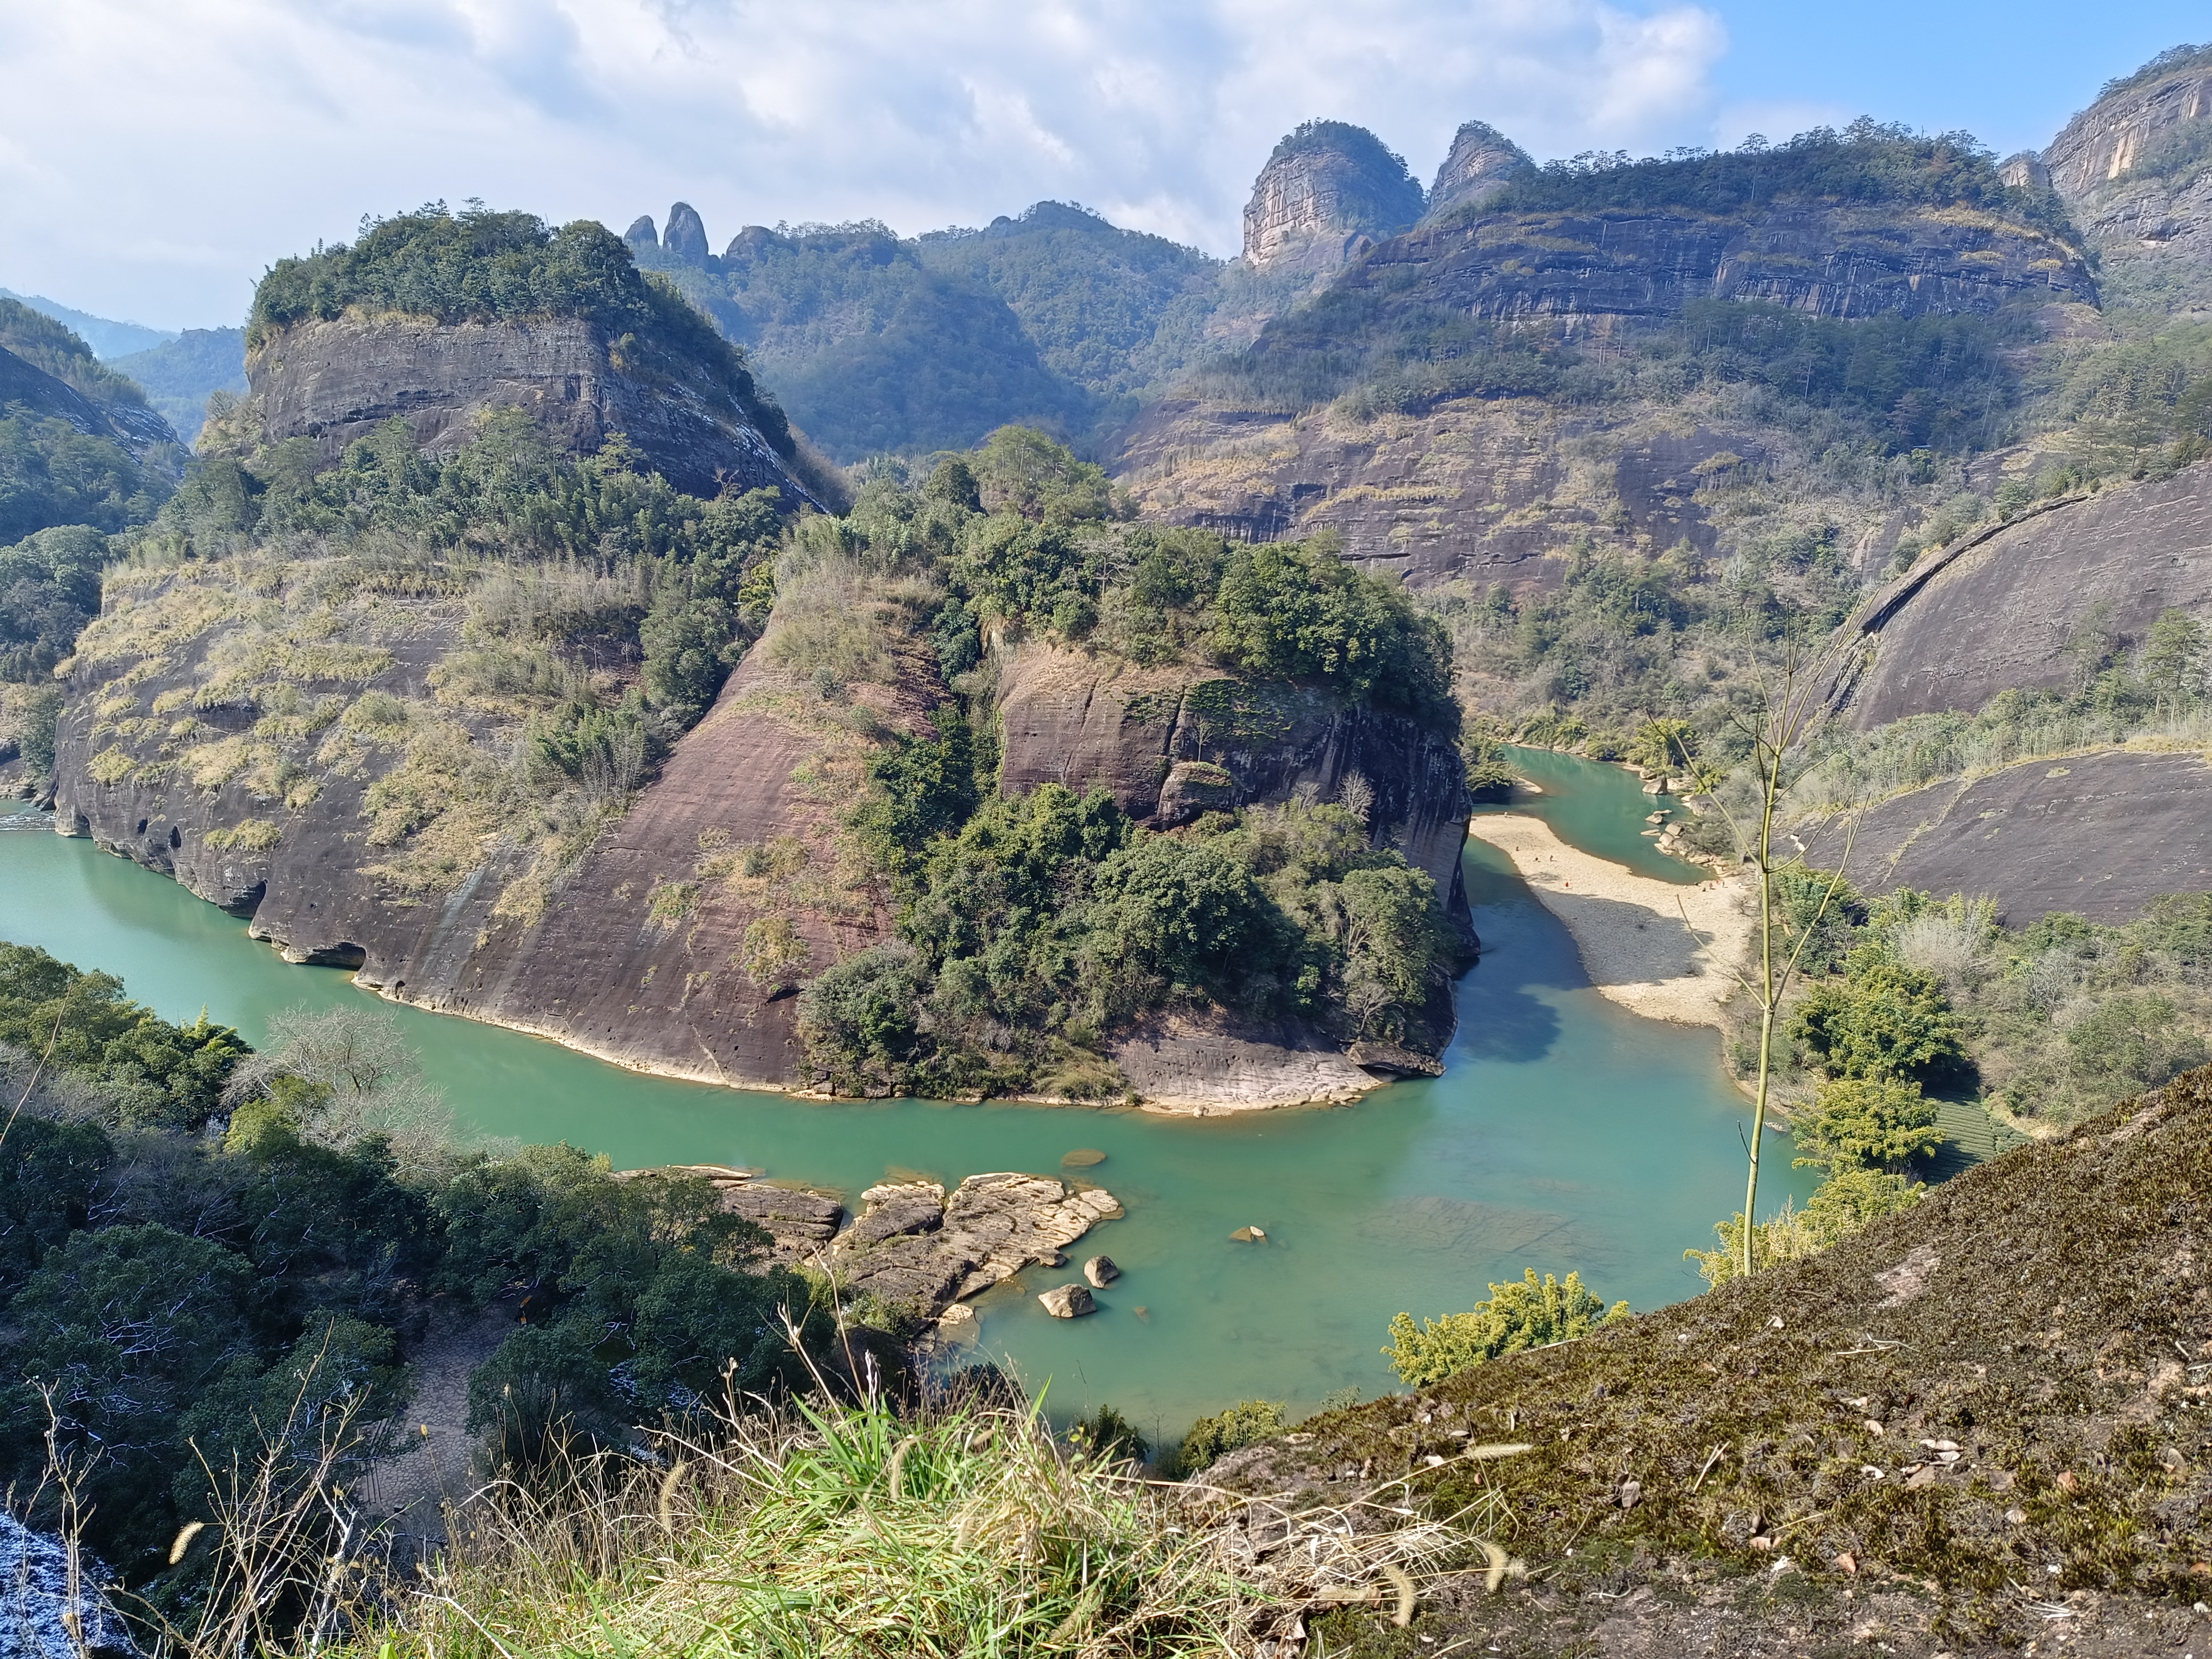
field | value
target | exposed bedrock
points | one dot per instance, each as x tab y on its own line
1325	195
1171	742
134	426
2004	608
336	381
1830	260
2124	169
2098	835
1481	160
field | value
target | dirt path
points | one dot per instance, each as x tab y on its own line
432	1467
1631	931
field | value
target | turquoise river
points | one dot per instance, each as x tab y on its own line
1565	1133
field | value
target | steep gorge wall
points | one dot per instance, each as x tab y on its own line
335	381
2124	167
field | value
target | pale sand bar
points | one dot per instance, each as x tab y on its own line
1630	930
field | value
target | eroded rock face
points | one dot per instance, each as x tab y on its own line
2124	169
338	380
914	1246
2102	836
1325	196
2002	610
1480	160
1169	749
135	427
686	237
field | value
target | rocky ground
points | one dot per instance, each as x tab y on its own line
913	1245
1978	1426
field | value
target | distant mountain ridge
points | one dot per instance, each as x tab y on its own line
107	337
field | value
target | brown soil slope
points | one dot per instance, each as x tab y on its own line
2001	1394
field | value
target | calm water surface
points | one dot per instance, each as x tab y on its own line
1565	1134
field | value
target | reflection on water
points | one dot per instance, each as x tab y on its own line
1566	1133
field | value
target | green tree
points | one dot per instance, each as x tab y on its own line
1872	1123
1881	1019
2173	661
1514	1317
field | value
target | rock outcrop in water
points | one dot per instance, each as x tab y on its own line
912	1244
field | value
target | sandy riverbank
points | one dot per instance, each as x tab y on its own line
1630	930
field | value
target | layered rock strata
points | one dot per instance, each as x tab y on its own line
335	381
1324	197
1480	161
2130	168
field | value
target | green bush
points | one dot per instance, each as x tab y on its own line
1877	1122
1512	1318
1211	1439
1879	1020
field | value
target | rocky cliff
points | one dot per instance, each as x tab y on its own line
134	426
336	380
1473	459
2135	168
1480	161
1173	742
1326	194
2009	607
2101	836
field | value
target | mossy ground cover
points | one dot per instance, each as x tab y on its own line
1998	1397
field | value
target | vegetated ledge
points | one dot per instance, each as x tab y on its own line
1996	1399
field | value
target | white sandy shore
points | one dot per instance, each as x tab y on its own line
1659	950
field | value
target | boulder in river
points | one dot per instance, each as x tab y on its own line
912	1244
1083	1157
1068	1300
1249	1236
1101	1272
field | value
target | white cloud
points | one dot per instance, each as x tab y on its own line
158	154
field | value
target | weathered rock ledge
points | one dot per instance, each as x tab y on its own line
912	1245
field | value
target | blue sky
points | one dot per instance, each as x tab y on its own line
155	156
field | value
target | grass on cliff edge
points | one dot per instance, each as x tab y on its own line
963	1529
2047	1316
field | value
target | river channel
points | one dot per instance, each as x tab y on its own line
1566	1133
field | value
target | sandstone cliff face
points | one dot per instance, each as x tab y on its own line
2131	169
1171	742
2000	609
336	381
1481	158
1324	197
1483	488
2101	836
638	954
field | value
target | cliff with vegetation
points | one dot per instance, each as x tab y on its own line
458	711
1627	354
2135	169
435	320
1326	194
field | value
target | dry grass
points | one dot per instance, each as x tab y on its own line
965	1529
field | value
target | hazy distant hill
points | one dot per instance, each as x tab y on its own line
106	337
180	373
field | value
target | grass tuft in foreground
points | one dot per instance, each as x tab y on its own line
828	1531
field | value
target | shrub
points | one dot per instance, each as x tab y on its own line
1868	1122
1514	1317
1881	1019
1211	1439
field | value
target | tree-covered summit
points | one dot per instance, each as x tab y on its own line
1868	161
483	265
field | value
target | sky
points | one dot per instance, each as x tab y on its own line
157	155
